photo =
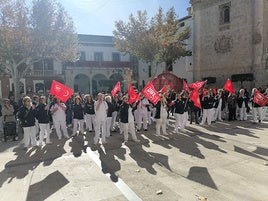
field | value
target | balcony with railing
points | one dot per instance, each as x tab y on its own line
99	64
42	73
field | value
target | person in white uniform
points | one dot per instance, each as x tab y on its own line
101	109
59	118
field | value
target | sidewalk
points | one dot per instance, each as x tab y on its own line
224	161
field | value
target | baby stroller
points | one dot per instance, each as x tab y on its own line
10	130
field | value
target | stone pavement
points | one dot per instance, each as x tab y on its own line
224	161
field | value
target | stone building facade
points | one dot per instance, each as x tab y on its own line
231	41
100	66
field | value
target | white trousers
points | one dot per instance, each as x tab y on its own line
78	126
217	114
114	116
161	123
44	131
100	130
129	128
178	121
90	121
142	118
108	126
60	125
207	116
243	113
29	137
257	113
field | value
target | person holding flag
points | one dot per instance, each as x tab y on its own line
142	113
127	120
161	115
207	104
59	118
257	109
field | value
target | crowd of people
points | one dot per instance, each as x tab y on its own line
37	115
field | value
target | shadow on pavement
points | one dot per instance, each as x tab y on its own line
48	186
202	176
27	161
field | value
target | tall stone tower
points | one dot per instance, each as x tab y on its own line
231	41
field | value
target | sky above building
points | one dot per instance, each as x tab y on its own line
97	17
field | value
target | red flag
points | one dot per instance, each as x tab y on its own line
228	86
116	89
149	92
164	89
194	96
185	86
60	91
133	96
197	85
260	99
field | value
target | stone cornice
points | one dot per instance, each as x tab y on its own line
195	1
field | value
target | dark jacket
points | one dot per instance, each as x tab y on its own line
158	110
207	102
89	107
179	106
110	109
124	112
27	116
78	111
42	115
240	101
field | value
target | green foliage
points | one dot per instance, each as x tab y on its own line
30	33
158	40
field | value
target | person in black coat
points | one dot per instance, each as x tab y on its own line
89	113
242	103
43	117
26	115
207	105
78	116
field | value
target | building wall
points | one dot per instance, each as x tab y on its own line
221	52
183	68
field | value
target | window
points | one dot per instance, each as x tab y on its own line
116	56
225	13
182	24
98	56
82	56
150	71
44	64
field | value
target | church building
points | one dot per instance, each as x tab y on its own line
231	41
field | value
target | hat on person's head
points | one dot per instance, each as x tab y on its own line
6	100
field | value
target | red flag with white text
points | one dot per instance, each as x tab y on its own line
197	85
60	91
228	86
149	92
116	89
259	98
133	96
194	96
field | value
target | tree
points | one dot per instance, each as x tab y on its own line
28	35
158	40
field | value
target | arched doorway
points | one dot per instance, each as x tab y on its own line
81	83
100	83
114	78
